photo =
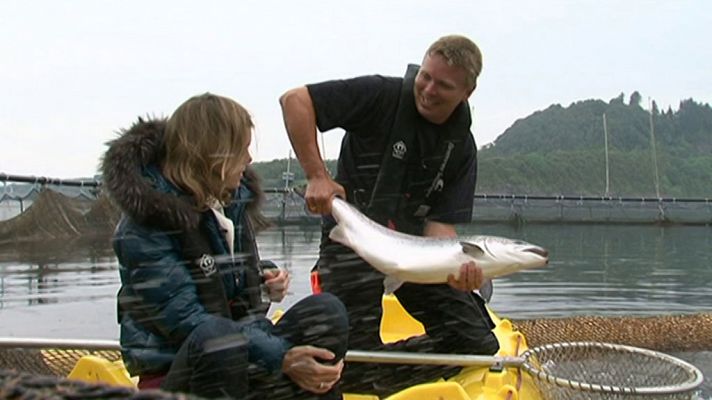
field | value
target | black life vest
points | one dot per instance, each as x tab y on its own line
403	205
207	275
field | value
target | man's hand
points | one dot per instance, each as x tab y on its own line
277	282
302	365
319	193
471	278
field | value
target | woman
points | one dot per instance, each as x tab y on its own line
191	306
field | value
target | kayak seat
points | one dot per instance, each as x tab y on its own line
94	369
396	323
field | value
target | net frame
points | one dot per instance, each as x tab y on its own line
534	367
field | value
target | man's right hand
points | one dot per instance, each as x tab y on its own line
302	365
319	193
471	278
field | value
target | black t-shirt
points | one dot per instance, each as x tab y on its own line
365	107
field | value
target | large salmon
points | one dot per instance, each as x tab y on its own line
408	258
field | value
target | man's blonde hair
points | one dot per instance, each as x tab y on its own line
462	52
206	136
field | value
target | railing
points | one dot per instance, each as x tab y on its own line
592	198
42	180
286	206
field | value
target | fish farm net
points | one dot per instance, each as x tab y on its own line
595	370
16	385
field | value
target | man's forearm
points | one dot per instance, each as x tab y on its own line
300	121
439	229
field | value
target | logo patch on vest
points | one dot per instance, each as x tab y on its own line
207	264
399	150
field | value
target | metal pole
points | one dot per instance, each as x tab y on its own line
287	177
655	153
42	343
398	357
42	180
605	141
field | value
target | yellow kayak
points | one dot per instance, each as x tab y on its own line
472	383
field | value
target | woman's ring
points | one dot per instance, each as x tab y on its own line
322	385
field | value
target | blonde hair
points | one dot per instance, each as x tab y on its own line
206	136
459	51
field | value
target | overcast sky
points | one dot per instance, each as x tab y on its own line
72	73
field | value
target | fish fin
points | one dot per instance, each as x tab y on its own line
338	234
391	284
472	249
486	290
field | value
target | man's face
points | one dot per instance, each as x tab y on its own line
439	88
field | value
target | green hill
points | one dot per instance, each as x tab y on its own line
561	150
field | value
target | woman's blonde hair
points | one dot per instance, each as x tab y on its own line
206	136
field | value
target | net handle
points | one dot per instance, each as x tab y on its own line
71	344
460	360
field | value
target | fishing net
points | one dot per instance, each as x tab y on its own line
49	360
666	333
30	371
594	370
23	386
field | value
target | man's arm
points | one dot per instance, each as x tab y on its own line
300	121
439	229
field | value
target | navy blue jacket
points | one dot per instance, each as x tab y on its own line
158	302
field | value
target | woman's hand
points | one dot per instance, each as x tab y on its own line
277	282
303	365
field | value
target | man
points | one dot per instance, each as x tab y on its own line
408	160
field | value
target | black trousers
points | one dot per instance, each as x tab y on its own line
455	322
215	361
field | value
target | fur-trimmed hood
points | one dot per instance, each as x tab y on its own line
137	196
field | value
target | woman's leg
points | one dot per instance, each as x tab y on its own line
211	362
318	320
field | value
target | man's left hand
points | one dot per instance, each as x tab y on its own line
471	278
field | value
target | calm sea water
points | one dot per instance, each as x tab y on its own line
66	289
594	270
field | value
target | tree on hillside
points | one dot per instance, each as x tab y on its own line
635	99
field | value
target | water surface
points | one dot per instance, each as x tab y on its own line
66	289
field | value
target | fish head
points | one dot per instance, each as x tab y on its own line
499	256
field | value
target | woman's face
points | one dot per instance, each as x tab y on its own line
235	166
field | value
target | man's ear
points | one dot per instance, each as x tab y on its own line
469	93
474	86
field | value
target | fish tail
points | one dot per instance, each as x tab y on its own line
391	284
338	234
